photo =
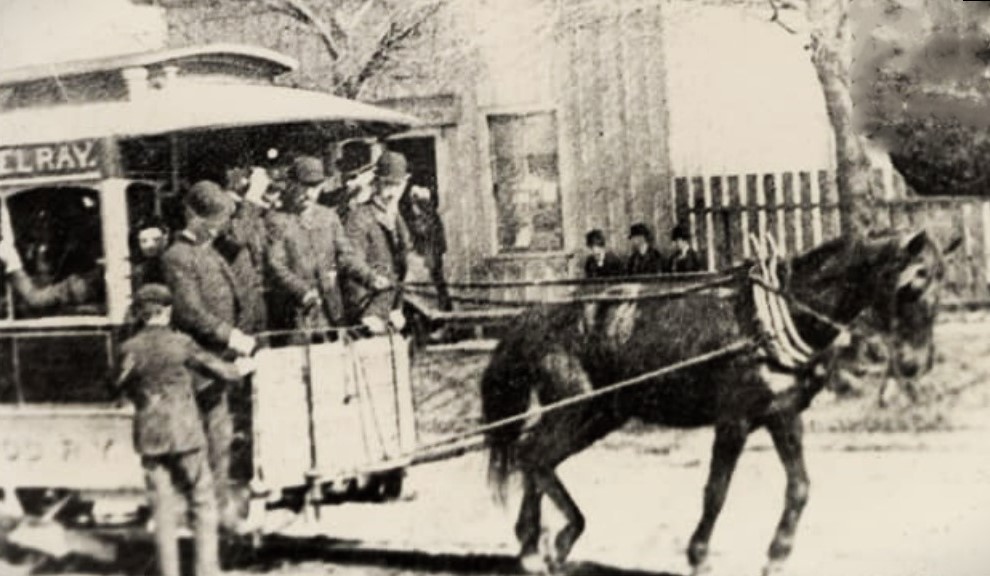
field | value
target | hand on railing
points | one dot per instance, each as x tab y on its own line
241	343
246	365
397	319
373	323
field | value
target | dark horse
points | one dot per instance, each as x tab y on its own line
561	351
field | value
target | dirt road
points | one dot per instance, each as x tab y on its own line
881	504
921	506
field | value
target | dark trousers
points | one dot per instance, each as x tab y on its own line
440	282
219	429
184	475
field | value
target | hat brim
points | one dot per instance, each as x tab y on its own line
221	217
392	179
350	172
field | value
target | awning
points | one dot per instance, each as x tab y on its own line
188	106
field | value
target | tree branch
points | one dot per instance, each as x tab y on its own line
392	39
301	11
775	17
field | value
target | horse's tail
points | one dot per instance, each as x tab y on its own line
505	392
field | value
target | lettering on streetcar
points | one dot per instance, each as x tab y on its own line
49	159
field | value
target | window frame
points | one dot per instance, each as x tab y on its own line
98	184
488	179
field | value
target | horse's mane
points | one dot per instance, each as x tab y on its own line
817	258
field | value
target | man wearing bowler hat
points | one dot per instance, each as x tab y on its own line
381	239
355	165
684	259
645	258
208	307
309	247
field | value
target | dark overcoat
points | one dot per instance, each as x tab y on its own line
310	251
610	266
650	262
245	247
207	297
385	249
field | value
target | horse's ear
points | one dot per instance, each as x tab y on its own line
915	243
956	242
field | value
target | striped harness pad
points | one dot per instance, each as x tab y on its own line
779	337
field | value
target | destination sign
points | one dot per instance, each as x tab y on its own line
64	158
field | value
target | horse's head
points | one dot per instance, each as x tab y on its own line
898	276
902	282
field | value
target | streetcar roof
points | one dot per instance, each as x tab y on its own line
193	106
238	58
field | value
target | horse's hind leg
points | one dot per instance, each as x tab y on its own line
528	524
787	433
730	439
555	438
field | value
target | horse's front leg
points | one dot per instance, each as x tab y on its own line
730	439
787	432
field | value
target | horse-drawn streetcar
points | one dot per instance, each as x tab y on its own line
90	149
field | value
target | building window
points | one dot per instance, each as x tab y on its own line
526	182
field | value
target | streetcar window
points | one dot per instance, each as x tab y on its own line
64	368
58	234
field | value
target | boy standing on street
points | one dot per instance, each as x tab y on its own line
156	374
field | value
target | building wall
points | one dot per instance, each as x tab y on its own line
596	67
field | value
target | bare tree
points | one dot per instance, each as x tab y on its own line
828	25
361	37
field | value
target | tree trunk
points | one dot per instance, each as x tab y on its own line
832	53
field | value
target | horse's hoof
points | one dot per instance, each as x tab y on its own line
702	569
534	563
775	568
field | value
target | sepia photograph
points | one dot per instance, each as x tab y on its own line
494	287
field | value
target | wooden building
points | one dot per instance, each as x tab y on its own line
546	119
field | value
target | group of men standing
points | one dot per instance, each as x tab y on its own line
644	258
311	261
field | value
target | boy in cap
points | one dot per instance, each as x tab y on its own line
156	374
601	263
644	259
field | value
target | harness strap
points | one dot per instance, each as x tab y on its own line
779	336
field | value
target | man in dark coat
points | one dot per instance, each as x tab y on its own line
418	208
684	259
156	374
208	301
381	239
309	247
244	245
601	263
644	259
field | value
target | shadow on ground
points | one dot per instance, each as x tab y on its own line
279	551
280	555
